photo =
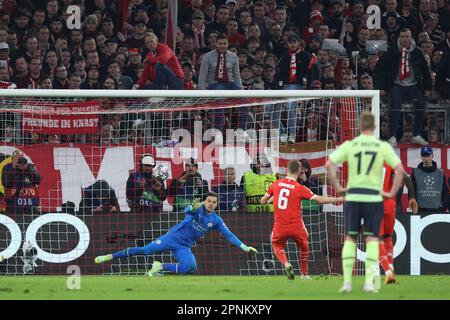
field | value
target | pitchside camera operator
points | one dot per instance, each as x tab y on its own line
20	180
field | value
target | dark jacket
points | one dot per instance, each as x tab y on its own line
302	60
443	76
389	66
99	194
142	193
229	193
20	187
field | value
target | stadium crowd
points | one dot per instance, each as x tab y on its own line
239	44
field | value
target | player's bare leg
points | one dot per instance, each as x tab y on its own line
2	258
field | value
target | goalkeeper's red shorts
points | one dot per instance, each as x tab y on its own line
388	221
298	233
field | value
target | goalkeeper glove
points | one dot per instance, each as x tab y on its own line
196	204
248	249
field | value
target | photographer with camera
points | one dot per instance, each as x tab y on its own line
145	192
188	187
20	180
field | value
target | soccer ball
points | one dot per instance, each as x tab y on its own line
161	172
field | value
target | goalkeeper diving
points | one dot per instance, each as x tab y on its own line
200	219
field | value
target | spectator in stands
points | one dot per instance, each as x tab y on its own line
32	79
9	136
188	187
145	193
198	28
20	180
21	69
247	77
404	72
264	22
188	82
61	81
315	129
46	83
221	18
195	8
51	61
161	66
366	82
4	79
311	182
99	197
92	79
220	71
124	82
74	81
443	77
231	195
430	184
293	69
232	33
269	78
110	83
134	64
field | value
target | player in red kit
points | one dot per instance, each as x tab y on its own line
386	245
287	195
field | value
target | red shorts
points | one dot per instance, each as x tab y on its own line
387	224
298	233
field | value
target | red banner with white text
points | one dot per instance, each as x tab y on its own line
69	118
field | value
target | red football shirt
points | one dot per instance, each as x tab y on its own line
388	180
287	200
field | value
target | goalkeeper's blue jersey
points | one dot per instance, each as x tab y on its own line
196	224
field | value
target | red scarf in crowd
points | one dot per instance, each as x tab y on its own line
293	65
221	67
404	64
199	37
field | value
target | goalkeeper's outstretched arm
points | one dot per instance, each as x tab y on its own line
231	237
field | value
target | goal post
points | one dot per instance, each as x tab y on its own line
85	144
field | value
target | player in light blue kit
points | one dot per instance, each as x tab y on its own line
200	218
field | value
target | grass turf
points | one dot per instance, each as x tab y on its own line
216	287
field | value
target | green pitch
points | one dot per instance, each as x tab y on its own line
216	287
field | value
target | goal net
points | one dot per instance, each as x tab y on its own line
73	185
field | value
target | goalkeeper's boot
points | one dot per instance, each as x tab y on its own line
156	268
305	277
346	288
289	271
369	288
103	259
390	277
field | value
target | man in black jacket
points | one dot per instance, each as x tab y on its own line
404	72
430	184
